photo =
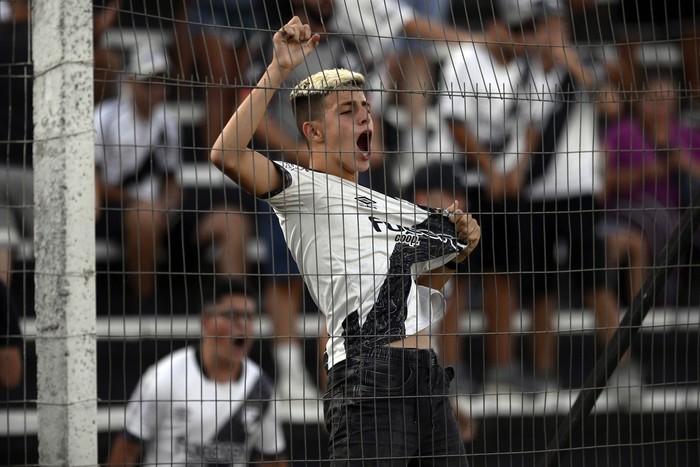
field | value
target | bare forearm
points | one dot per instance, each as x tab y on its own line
254	172
469	144
10	367
623	178
582	74
688	163
276	463
435	29
117	194
435	279
172	193
124	452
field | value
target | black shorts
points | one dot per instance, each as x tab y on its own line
505	237
565	247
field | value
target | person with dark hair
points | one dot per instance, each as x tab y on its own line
652	171
207	403
138	158
373	264
17	121
564	162
483	116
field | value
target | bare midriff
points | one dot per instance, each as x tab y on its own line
419	340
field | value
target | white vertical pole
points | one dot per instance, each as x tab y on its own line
64	239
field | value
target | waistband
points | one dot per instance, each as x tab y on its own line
392	355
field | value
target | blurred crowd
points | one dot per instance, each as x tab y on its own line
576	152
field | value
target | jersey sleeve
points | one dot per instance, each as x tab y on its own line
140	419
297	190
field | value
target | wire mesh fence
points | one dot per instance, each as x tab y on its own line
284	269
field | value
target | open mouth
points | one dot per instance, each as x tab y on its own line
238	342
364	143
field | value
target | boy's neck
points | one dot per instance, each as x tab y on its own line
320	162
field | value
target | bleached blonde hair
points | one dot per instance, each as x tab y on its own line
325	81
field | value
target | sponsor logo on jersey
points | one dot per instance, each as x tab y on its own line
405	234
408	238
365	201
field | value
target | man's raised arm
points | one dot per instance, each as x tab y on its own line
254	172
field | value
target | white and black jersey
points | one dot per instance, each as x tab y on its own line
578	162
360	252
490	98
183	418
134	152
374	26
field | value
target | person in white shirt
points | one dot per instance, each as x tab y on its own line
373	264
484	117
561	176
207	404
138	158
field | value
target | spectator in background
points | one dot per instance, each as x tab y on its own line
107	62
642	24
415	72
137	157
16	134
213	45
653	165
207	403
17	124
482	123
564	163
10	342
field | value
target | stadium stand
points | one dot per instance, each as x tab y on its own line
513	428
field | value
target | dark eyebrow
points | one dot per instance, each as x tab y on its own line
364	103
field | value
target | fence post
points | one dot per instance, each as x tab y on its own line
64	236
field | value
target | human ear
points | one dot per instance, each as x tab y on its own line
311	133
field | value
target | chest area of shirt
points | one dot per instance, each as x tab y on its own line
380	223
